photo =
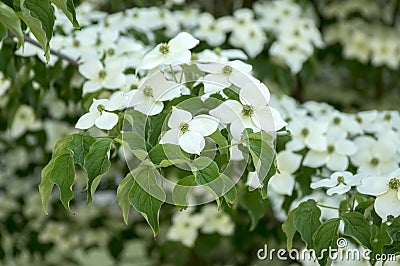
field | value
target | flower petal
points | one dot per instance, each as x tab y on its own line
205	125
227	111
87	120
106	120
327	182
387	204
339	189
282	183
183	41
192	142
178	116
171	137
374	186
288	162
90	69
337	162
315	159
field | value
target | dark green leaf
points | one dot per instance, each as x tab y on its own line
96	164
123	191
254	205
181	191
357	226
10	20
67	6
80	145
307	221
326	237
289	228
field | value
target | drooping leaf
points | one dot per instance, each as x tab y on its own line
326	237
39	17
61	146
289	228
135	121
134	143
67	6
262	153
181	191
3	32
254	205
307	221
230	193
123	195
146	196
165	155
357	226
10	20
97	163
80	145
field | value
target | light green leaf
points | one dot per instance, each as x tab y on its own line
96	164
146	196
39	17
168	154
357	226
326	237
307	221
3	33
289	228
80	145
59	171
123	195
10	20
135	121
62	146
181	191
230	193
134	142
255	206
262	153
67	6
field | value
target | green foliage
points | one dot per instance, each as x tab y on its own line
357	226
9	20
326	237
307	221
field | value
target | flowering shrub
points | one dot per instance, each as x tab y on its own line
167	109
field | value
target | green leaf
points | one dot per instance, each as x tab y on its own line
326	237
80	145
264	188
230	193
59	171
135	143
3	33
67	6
10	20
62	146
289	228
254	205
380	239
181	191
206	174
39	17
357	226
307	221
135	121
262	153
123	195
96	164
146	196
166	155
393	231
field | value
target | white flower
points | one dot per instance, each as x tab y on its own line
307	133
210	30
185	228
335	156
375	157
109	76
187	131
151	94
220	75
98	116
339	183
386	190
176	51
216	221
287	163
23	121
251	112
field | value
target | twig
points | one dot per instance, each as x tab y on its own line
53	52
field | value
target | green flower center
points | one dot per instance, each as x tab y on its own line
340	179
148	91
358	119
331	148
374	161
184	127
387	117
247	110
100	108
394	183
212	27
305	132
252	34
111	51
194	57
336	120
76	43
227	70
217	50
164	48
102	74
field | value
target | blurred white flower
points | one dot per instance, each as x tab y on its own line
187	131
216	221
4	84
184	228
24	120
98	116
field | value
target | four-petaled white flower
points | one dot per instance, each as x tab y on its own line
387	191
187	131
251	112
339	183
151	94
98	116
108	76
176	51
